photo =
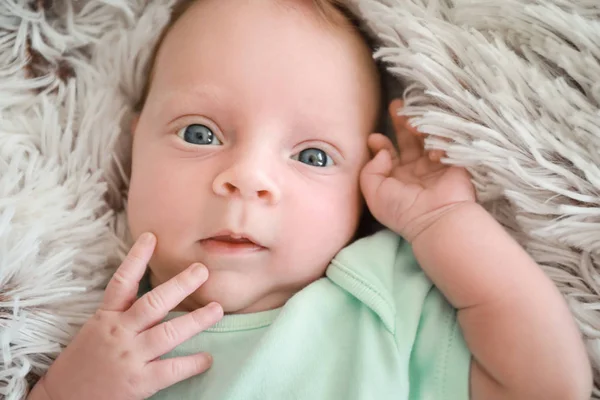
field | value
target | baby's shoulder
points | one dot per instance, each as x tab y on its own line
384	252
382	272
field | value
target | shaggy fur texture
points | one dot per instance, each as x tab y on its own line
509	88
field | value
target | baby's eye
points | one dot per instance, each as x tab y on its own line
199	134
314	157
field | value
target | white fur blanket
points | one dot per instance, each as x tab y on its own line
514	83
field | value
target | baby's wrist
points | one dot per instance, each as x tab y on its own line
428	222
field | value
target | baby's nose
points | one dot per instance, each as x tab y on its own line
248	183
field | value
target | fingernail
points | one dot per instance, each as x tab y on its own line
146	238
382	153
215	308
198	269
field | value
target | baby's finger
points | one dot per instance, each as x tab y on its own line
410	144
411	129
165	337
123	287
411	148
436	155
378	142
374	173
154	305
161	374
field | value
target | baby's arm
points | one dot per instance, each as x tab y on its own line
524	342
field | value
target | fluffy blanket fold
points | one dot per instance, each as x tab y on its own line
513	84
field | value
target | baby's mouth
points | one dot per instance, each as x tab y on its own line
230	244
231	239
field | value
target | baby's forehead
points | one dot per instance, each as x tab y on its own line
266	50
202	20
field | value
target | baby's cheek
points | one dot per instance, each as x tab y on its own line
331	217
136	211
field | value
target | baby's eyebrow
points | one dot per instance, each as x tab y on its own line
315	121
186	100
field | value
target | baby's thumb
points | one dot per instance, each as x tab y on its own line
374	174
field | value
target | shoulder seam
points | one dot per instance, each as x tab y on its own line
348	272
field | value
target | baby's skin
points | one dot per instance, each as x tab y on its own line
279	146
499	291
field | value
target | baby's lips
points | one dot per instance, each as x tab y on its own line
231	239
235	238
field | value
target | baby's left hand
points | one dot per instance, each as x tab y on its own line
408	192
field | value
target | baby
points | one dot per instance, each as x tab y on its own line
253	157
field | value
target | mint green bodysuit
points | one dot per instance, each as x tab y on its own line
374	328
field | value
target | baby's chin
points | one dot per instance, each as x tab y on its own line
234	297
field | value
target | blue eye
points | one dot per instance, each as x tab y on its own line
314	157
199	134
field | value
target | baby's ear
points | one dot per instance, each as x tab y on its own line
134	122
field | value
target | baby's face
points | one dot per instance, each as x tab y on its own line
247	154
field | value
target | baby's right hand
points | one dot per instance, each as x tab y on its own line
116	353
